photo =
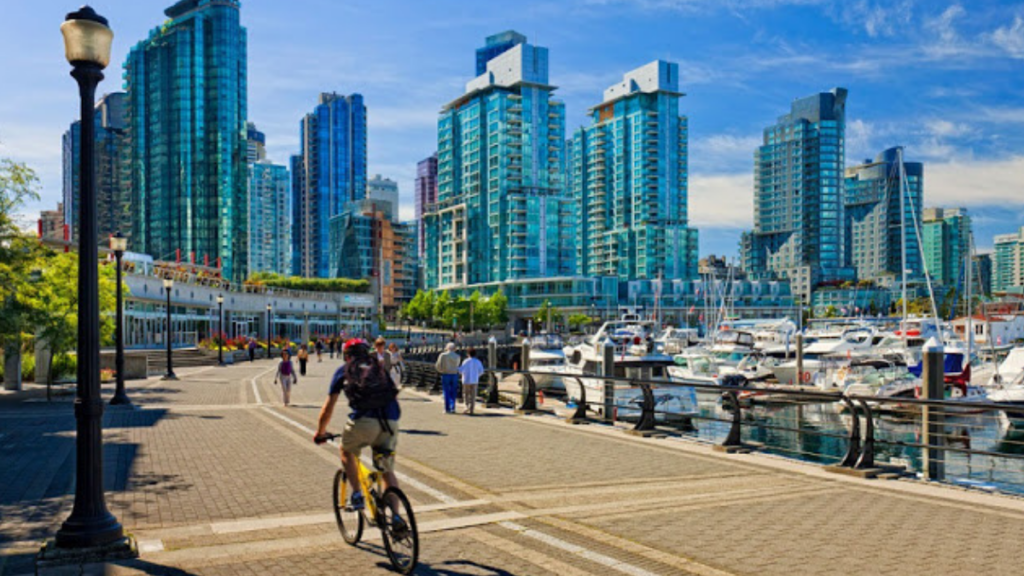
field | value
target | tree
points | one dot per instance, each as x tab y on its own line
542	315
578	320
499	307
442	313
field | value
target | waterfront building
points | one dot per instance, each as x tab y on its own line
875	229
383	189
719	268
187	105
368	241
270	226
255	144
426	194
798	196
496	45
983	274
946	238
501	212
51	223
628	177
113	199
327	175
857	300
1008	262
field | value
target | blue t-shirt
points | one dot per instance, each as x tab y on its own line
390	412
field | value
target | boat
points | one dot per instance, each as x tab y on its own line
675	340
730	347
638	358
1007	386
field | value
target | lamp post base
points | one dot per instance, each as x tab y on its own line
120	399
53	555
170	376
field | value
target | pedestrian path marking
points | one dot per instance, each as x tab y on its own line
255	388
580	551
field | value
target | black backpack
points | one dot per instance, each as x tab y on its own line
368	386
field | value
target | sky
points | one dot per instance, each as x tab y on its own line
941	78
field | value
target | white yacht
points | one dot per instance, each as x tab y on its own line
676	340
637	356
1007	385
730	347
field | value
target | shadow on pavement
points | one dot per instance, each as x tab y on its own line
422	432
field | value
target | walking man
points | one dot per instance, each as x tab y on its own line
448	366
471	370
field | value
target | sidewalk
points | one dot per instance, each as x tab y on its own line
214	476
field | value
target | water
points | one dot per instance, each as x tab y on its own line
824	431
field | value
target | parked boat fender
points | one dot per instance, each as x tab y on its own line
540	396
806	378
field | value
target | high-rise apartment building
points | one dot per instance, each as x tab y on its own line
255	144
946	239
187	100
799	223
51	223
113	197
501	212
385	189
426	194
1008	261
270	225
982	274
875	229
496	45
327	175
628	176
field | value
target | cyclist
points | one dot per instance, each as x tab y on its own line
373	420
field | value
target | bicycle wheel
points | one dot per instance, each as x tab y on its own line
398	529
350	523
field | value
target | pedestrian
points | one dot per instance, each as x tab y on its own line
252	349
380	348
331	344
397	363
319	350
286	376
303	357
448	366
471	370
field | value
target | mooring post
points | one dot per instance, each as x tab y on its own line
608	368
799	359
932	422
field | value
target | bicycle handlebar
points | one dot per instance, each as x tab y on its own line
326	437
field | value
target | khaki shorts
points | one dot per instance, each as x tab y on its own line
364	432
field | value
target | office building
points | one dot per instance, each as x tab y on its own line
327	175
187	100
270	226
501	212
875	229
982	274
496	45
1008	261
799	219
426	194
946	238
51	223
383	189
113	198
255	144
628	177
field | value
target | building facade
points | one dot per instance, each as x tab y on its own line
946	238
983	274
327	175
426	194
383	189
1008	261
113	198
879	222
270	224
51	223
799	230
255	144
187	105
501	212
628	177
496	45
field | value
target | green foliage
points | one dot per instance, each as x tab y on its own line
444	311
542	315
578	320
64	367
18	253
309	284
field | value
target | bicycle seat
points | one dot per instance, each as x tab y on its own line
379	456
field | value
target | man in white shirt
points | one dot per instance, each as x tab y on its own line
471	371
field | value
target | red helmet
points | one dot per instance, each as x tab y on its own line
352	342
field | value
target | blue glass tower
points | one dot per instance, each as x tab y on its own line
187	98
799	226
628	175
501	211
270	224
496	45
328	174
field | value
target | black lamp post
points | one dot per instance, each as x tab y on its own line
270	328
168	284
366	327
220	328
87	47
118	245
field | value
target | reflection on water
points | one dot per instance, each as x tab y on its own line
819	432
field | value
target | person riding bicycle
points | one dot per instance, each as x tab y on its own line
373	420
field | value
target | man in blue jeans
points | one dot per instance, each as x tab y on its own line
448	366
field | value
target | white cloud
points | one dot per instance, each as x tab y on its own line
722	200
877	18
1011	38
978	183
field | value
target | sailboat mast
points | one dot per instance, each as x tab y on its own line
903	241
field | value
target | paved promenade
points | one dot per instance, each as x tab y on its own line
214	476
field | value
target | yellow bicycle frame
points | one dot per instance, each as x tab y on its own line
368	481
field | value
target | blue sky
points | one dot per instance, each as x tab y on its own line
944	79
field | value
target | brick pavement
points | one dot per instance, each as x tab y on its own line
214	482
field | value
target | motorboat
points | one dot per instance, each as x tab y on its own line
637	358
549	366
774	335
730	347
1007	386
675	340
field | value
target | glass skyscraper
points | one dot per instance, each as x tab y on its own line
946	236
494	46
799	226
874	228
113	198
328	174
1008	261
187	98
270	224
501	212
628	175
426	194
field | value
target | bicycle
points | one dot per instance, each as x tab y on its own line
401	539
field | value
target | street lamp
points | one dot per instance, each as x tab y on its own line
87	47
270	312
220	328
118	244
168	284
